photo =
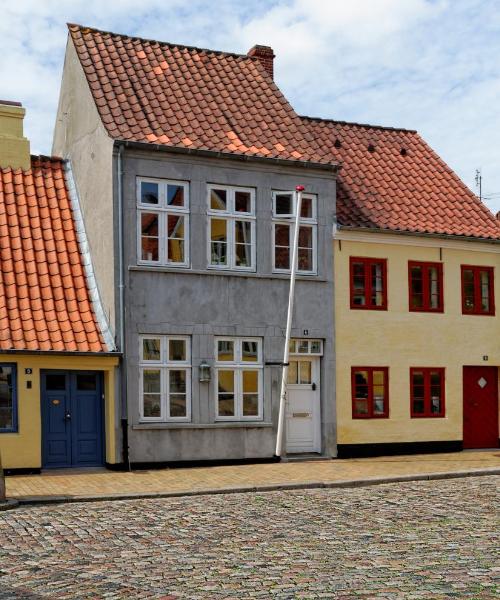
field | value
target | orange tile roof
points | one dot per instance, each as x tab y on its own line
391	179
150	91
44	300
160	93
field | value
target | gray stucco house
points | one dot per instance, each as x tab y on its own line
184	160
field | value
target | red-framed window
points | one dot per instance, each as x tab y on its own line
370	392
368	283
425	286
427	392
477	290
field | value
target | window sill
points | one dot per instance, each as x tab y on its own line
225	273
218	425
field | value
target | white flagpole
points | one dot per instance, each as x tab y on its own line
284	376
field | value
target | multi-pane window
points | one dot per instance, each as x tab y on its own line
427	392
284	212
425	286
477	290
165	378
162	222
231	227
8	398
368	283
370	392
238	379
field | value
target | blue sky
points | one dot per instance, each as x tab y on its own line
430	65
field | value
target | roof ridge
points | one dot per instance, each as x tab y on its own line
171	44
354	123
46	157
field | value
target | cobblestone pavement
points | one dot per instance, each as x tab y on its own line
426	539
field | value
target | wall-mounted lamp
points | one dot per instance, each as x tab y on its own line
205	374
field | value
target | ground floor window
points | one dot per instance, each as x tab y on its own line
165	378
8	398
427	392
370	392
238	380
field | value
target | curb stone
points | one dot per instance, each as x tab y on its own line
8	504
272	487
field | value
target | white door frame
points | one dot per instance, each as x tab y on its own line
315	405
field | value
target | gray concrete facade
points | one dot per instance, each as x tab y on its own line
203	303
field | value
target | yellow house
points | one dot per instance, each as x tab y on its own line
416	259
58	368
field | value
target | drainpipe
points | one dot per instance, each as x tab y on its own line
284	376
121	309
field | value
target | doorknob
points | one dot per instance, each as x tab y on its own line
67	416
313	387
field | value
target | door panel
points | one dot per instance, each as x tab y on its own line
72	411
480	425
56	404
303	418
87	430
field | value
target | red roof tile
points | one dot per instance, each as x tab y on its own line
38	270
391	179
149	91
160	93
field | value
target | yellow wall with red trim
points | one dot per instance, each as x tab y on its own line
23	449
400	339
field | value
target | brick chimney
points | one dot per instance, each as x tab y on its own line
266	56
14	147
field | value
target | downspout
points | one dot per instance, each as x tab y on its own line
121	309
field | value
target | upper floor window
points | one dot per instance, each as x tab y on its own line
368	283
231	227
425	286
238	368
284	213
163	222
477	290
370	392
8	398
427	392
165	378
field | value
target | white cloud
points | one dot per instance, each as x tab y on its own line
424	64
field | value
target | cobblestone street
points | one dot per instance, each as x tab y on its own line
432	539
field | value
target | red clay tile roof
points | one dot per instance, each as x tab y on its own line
391	179
44	300
149	91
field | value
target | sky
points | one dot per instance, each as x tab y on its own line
430	65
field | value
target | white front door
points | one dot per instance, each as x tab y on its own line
303	414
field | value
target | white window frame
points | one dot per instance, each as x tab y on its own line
230	215
296	347
165	365
289	220
162	209
238	366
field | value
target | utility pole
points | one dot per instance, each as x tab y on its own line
284	376
479	181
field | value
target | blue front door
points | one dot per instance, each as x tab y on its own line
72	416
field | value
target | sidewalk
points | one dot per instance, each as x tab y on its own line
80	485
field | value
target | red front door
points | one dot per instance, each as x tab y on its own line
480	407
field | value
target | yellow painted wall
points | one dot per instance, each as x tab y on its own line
400	339
23	449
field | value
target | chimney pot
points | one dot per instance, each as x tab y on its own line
266	56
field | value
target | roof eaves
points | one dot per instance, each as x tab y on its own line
58	352
326	166
444	236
